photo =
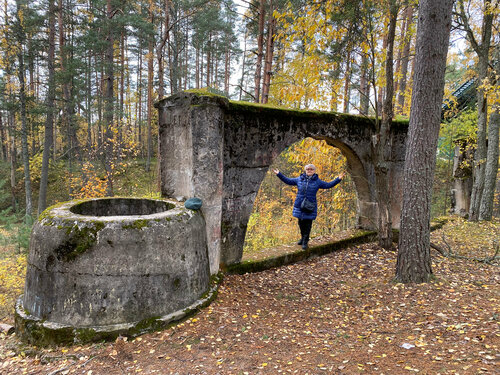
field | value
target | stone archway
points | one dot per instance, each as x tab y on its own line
220	150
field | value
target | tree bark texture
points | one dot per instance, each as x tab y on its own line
490	173
49	120
434	23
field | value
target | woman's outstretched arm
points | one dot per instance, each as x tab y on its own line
328	185
286	180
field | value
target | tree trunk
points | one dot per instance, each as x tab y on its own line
483	51
227	70
271	25
433	33
405	60
209	61
109	100
3	141
490	173
13	163
197	69
364	88
260	50
21	37
380	94
383	145
89	103
139	104
161	50
121	123
99	77
49	120
347	85
150	100
242	80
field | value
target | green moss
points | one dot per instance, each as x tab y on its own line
261	265
46	214
78	241
203	92
85	334
137	224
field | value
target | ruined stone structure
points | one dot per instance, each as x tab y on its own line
220	150
102	267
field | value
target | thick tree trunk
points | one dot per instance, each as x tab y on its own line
260	50
490	173
434	23
49	120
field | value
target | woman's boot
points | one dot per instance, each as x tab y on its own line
305	240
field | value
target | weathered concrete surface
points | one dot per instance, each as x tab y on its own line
231	145
85	269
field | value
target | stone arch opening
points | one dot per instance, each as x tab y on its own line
219	150
271	223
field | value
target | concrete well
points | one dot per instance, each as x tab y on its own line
102	267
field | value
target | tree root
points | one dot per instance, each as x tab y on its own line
448	253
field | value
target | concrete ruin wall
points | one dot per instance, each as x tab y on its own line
220	151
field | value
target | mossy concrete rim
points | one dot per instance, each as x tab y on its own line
60	214
45	333
314	251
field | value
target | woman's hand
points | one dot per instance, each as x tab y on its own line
341	176
276	171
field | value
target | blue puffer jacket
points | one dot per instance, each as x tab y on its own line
313	184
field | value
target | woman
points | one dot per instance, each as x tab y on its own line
308	184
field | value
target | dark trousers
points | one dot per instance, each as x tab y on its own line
305	226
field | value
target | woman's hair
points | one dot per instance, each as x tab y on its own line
310	166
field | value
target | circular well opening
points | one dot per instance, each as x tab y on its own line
121	207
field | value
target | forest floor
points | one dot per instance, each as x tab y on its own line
337	314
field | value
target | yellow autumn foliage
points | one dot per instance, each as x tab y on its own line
12	274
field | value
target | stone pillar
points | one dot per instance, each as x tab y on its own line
191	134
